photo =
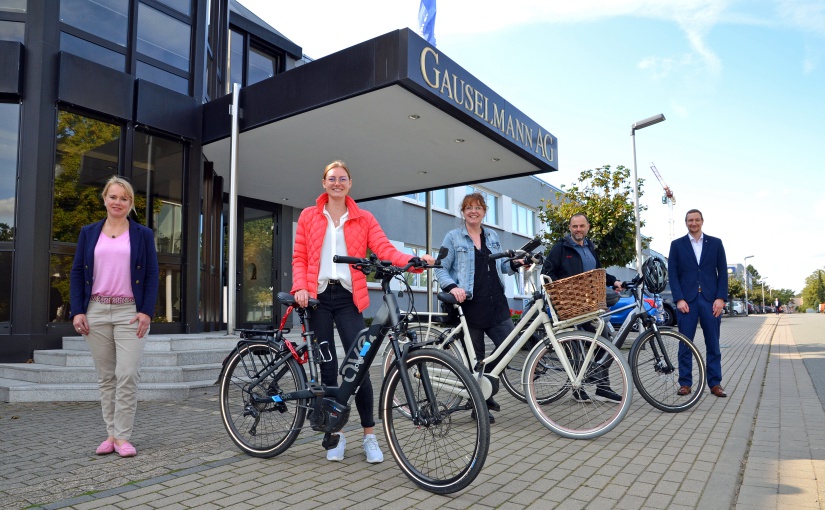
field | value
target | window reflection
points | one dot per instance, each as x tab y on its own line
108	19
157	172
59	300
86	156
9	128
6	261
12	31
163	37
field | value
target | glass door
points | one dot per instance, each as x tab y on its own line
256	266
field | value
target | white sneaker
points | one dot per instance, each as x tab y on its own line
373	451
337	453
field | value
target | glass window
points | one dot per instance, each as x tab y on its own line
184	6
491	217
13	5
261	66
12	31
60	267
168	307
162	78
9	129
108	19
86	156
93	52
163	37
6	266
416	279
437	197
158	168
236	50
523	220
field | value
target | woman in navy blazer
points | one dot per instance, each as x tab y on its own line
114	288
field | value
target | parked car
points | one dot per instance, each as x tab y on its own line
617	319
735	308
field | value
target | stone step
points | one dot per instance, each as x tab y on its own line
19	391
48	374
68	358
166	343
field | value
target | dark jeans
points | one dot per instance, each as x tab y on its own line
496	333
337	307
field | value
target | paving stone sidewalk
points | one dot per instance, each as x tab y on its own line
760	448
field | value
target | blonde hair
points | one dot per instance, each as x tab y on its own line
336	164
127	188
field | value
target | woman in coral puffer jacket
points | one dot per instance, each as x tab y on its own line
337	226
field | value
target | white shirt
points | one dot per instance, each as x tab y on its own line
697	245
334	244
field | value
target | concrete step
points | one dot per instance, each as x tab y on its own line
166	343
68	358
48	374
20	391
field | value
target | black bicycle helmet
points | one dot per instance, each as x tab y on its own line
654	272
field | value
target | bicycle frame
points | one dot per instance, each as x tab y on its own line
536	316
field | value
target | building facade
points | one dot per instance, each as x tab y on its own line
143	89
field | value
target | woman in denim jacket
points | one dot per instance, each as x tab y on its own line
476	281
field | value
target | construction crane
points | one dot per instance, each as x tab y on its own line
667	198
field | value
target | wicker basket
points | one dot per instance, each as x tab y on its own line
578	295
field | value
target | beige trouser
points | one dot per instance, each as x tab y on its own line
117	352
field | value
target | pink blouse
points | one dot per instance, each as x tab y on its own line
111	271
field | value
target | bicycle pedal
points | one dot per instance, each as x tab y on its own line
330	441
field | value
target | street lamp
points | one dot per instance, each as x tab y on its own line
639	125
763	293
746	282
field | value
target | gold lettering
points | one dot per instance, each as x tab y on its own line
427	80
540	145
498	118
457	90
549	154
468	96
478	97
510	131
446	84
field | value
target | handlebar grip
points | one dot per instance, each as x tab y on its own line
504	254
343	259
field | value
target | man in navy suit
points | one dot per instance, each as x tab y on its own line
699	281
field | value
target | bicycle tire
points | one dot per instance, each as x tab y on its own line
659	384
511	376
584	415
444	454
262	430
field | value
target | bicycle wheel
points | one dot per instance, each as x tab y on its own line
421	334
654	361
596	405
511	376
267	429
444	448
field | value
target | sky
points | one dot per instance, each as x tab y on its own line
741	84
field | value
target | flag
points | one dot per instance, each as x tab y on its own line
426	20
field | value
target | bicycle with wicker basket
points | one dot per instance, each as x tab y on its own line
565	362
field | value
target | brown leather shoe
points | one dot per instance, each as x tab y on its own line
683	391
718	391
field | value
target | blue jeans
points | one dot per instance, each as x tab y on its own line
338	308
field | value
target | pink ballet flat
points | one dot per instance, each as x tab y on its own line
125	450
105	448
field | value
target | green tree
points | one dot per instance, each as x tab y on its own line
736	289
814	292
606	197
